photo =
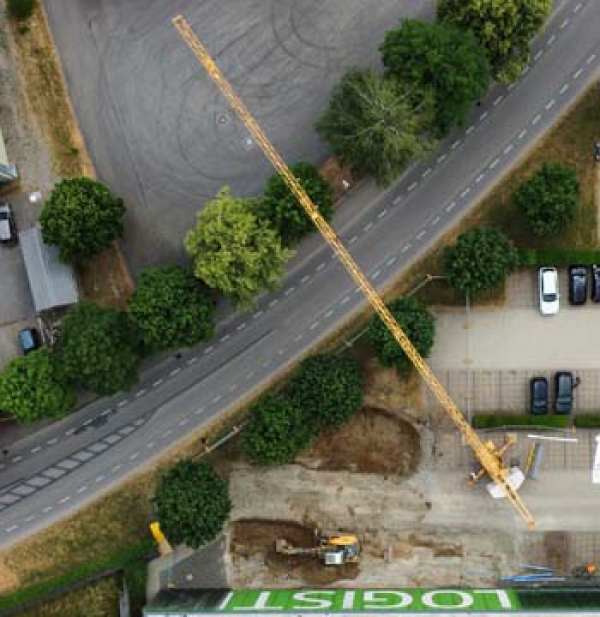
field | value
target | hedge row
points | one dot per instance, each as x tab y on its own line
587	421
559	257
499	420
88	571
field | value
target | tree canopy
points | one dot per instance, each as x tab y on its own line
276	431
548	200
234	251
504	29
328	389
36	387
171	308
192	503
372	126
418	324
480	260
281	208
98	348
441	59
82	218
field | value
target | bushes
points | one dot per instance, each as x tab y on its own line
325	391
587	421
20	9
193	503
559	257
500	420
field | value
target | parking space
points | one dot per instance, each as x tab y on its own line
15	296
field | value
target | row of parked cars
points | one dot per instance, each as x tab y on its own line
564	384
581	278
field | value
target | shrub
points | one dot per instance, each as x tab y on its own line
587	421
277	431
559	257
548	199
328	389
417	323
281	209
480	260
500	420
192	503
20	9
171	308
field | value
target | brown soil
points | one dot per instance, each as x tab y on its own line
336	174
256	538
374	441
556	547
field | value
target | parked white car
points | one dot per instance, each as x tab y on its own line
549	294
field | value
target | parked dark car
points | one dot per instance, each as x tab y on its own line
539	395
29	340
563	390
8	229
578	284
597	152
596	283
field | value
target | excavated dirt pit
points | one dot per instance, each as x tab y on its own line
252	539
374	441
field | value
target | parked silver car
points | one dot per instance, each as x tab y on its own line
8	231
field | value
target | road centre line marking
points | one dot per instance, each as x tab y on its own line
298	338
413	186
550	104
494	163
426	172
30	518
82	489
281	352
368	226
225	338
314	325
116	468
233	387
192	360
36	449
16	459
382	213
106	412
65	499
183	422
398	200
140	393
217	398
150	444
466	192
450	207
391	261
99	478
358	291
11	528
321	266
564	88
441	159
344	300
174	372
525	70
70	432
243	325
498	100
536	119
483	116
47	509
470	129
565	23
420	234
167	433
405	248
522	134
376	274
208	350
508	148
353	239
511	86
134	456
52	441
538	55
329	313
479	178
455	144
577	7
577	73
274	301
303	280
551	40
259	313
287	292
591	59
435	221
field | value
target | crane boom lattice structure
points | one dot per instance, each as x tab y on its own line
496	472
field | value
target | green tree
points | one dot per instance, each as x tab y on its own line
548	199
279	206
233	251
418	324
192	503
504	29
328	389
171	308
99	348
442	59
20	9
36	387
82	218
372	126
480	260
276	431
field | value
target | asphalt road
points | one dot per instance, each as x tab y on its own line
57	471
159	132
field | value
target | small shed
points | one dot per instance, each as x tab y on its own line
8	172
52	282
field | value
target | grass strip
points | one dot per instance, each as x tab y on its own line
501	420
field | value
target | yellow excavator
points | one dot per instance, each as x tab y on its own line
334	549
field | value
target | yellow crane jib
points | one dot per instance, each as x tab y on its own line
488	461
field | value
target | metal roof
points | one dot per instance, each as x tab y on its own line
52	282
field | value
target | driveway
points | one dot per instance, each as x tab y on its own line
159	132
